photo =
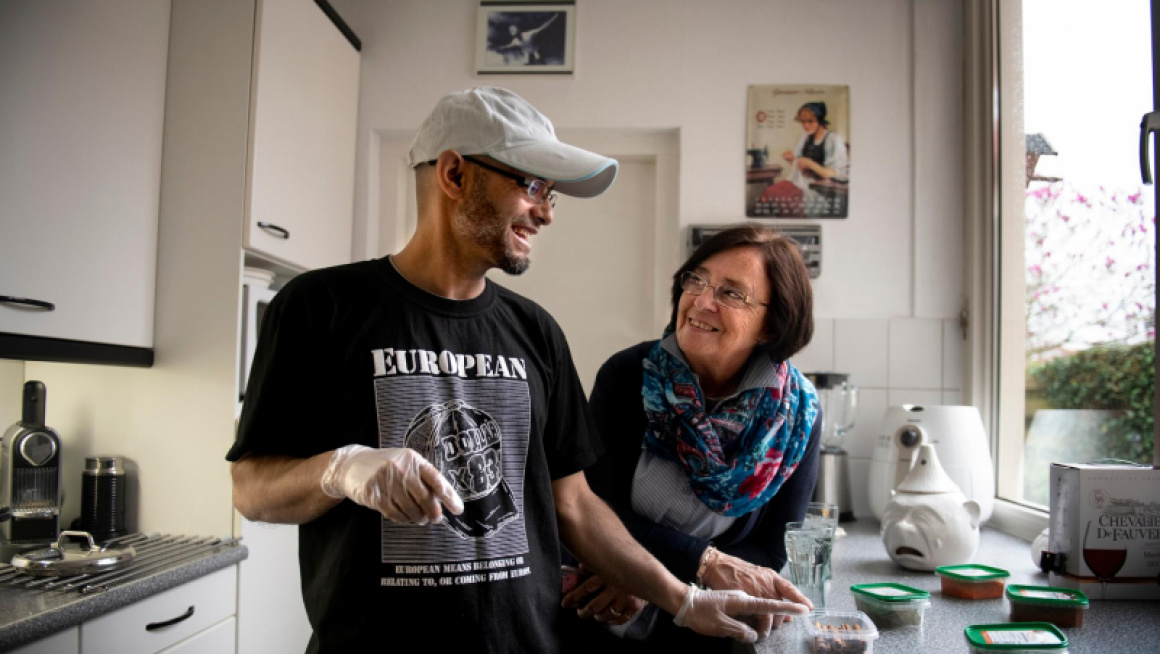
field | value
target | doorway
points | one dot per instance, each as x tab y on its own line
592	268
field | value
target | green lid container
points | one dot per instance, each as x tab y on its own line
891	605
1062	607
1016	638
1053	596
885	592
972	572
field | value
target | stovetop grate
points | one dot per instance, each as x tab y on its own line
154	553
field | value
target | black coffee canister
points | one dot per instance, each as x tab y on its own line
103	497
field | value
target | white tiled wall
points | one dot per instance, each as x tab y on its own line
819	354
895	361
861	349
915	354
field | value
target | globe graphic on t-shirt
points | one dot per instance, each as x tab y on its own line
463	443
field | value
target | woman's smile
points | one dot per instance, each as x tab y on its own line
702	326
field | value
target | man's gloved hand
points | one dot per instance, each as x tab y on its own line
396	481
715	613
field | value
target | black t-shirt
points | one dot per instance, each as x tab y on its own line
486	390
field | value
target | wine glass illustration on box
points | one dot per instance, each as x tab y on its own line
1104	563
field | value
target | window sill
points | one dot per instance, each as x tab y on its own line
1018	520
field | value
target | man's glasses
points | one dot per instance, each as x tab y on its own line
726	296
537	189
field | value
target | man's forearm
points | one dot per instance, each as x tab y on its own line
593	532
282	489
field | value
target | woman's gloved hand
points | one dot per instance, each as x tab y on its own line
727	612
725	572
397	482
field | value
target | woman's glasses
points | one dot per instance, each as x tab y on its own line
537	189
725	295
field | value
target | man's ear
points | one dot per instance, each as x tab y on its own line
449	174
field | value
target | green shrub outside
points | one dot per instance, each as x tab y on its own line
1113	377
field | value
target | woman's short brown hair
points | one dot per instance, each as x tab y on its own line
789	319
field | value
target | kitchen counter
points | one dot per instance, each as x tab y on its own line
28	614
860	558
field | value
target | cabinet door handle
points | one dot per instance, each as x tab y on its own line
39	304
271	227
153	626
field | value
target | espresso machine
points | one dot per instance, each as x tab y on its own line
839	403
30	486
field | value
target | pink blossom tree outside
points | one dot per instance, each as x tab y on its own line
1090	260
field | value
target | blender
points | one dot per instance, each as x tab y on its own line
839	404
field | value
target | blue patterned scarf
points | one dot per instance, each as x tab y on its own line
738	455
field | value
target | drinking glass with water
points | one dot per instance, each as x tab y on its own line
826	514
808	546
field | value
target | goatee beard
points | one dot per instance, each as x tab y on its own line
480	221
514	265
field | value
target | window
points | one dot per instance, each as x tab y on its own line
1066	371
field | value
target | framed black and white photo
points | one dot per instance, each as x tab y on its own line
525	38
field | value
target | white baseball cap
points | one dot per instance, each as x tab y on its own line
502	125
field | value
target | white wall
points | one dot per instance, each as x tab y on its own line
11	392
891	286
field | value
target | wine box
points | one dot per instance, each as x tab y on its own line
1105	521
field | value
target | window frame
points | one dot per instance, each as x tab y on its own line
983	168
994	153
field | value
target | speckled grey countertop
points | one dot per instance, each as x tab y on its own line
860	558
29	614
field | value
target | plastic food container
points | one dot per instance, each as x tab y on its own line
831	632
1016	638
972	581
1062	607
891	605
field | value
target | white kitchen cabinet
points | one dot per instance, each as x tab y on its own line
218	639
81	122
304	117
62	642
210	602
273	616
151	625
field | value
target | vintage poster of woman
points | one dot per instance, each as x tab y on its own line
798	151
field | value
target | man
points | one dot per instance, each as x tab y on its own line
449	406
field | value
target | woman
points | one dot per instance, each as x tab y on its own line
710	434
819	155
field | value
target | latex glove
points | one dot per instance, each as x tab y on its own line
726	572
714	612
594	598
395	481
